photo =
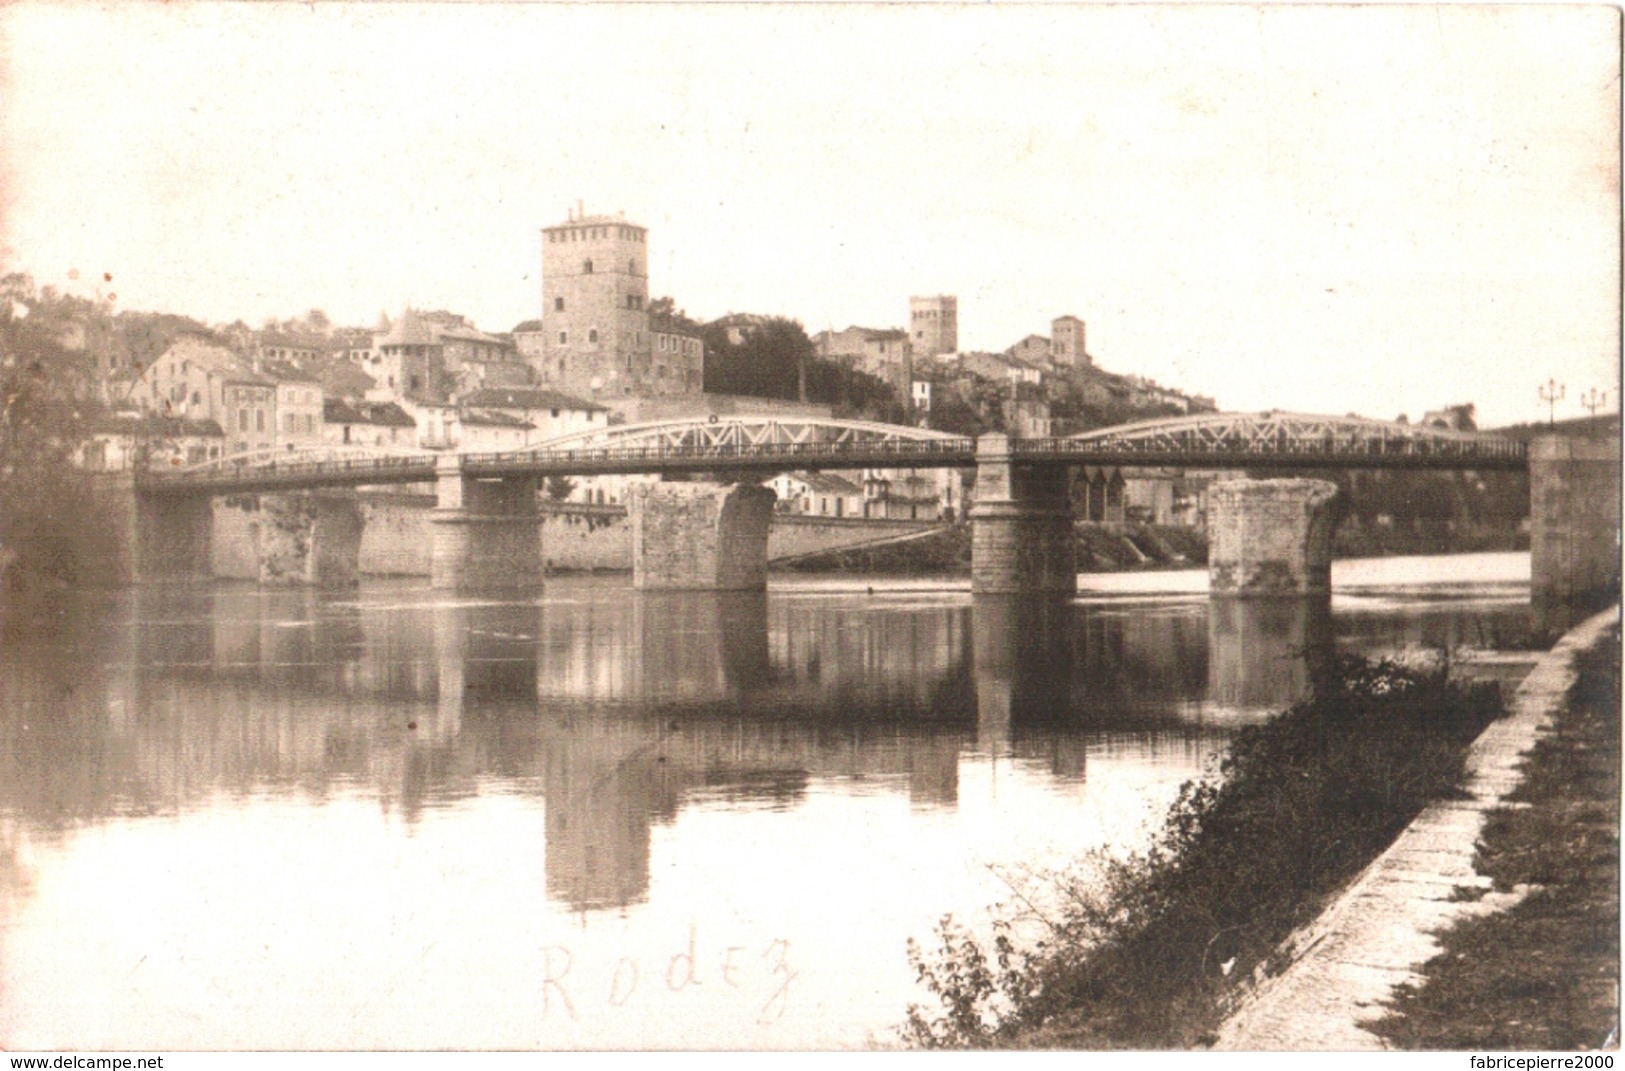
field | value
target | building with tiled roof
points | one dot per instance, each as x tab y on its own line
424	355
365	423
124	440
548	412
197	380
488	429
820	494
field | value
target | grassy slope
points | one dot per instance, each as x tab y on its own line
1544	975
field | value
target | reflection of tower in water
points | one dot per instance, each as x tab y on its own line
1263	653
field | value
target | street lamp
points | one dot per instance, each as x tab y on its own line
1551	393
1593	400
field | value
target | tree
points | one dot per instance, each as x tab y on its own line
50	533
560	487
770	362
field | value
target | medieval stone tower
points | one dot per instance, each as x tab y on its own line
595	296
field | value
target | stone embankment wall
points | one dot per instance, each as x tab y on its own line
793	535
586	539
575	537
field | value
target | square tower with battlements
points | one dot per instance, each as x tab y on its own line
933	324
1067	343
595	297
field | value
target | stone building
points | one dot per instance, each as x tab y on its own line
1067	343
595	320
363	423
880	351
1034	349
299	414
934	324
548	412
429	356
678	354
196	380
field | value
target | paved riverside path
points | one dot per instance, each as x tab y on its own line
1379	932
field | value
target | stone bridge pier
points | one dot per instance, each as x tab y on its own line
1271	537
1021	525
700	536
1574	527
486	534
168	538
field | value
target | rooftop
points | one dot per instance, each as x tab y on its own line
383	414
489	418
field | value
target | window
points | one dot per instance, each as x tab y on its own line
242	420
287	422
564	338
632	267
555	414
195	399
558	304
586	267
259	420
592	334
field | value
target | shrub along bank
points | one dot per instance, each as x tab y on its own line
1147	952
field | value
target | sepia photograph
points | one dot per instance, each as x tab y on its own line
809	527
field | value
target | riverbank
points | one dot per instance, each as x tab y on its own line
1149	952
1373	941
1544	974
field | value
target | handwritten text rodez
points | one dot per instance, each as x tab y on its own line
734	965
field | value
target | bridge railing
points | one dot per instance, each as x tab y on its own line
1332	448
284	469
902	449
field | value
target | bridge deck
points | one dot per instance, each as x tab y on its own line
292	474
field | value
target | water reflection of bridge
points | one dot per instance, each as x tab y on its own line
617	710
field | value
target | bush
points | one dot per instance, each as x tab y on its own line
1144	952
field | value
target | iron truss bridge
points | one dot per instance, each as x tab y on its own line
762	445
276	470
1274	440
732	444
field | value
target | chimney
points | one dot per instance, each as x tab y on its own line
581	209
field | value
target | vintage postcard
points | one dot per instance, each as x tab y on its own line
808	527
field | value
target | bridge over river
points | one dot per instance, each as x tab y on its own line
1269	536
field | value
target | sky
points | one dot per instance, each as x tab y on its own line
1367	209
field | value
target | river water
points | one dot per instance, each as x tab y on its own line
244	819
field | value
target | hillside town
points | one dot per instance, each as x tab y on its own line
169	390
